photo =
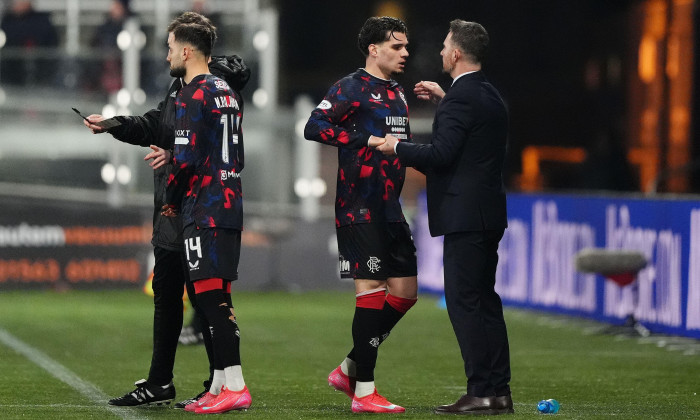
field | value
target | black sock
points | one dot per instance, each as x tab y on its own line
366	337
224	338
229	302
387	320
390	317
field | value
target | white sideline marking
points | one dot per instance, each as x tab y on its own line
64	375
48	406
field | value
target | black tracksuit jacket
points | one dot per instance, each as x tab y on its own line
157	127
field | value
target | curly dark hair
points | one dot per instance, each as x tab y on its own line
377	30
471	38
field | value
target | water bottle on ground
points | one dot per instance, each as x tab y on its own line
550	406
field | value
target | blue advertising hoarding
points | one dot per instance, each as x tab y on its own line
537	258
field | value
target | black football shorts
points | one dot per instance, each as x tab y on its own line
376	251
212	253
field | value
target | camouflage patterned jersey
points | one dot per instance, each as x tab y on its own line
369	183
208	155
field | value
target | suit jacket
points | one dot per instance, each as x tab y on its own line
463	163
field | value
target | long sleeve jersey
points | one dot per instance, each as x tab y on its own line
208	154
369	184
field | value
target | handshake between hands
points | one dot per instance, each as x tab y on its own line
383	144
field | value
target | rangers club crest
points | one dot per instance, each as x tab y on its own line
373	264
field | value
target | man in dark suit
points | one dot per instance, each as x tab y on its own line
467	204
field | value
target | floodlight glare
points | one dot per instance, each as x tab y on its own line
260	98
109	111
123	40
123	98
261	40
317	187
139	97
123	174
108	173
302	188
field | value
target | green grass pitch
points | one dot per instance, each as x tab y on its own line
291	341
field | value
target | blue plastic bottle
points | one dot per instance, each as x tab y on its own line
548	406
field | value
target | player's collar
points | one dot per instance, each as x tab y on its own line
198	78
390	82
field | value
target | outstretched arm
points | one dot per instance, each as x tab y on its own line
137	130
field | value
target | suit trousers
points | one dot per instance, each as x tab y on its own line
476	311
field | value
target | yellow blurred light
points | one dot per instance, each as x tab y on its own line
680	125
673	58
655	22
647	59
390	8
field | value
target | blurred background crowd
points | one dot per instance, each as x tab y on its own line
601	94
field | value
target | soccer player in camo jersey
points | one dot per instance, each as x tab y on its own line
374	241
205	187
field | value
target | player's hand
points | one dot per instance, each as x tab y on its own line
388	146
96	129
375	141
429	91
160	157
168	210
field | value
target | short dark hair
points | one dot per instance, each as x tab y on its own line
377	30
191	17
194	29
471	38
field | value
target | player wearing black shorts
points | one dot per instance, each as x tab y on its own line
155	129
205	188
374	240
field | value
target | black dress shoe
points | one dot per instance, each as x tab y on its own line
469	405
503	403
